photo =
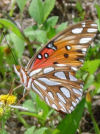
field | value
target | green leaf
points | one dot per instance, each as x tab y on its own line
36	10
71	122
21	4
97	89
18	44
40	131
2	131
40	10
41	36
42	106
96	127
29	32
79	6
30	105
51	22
61	27
98	10
48	6
51	33
2	69
52	131
30	130
91	66
89	81
12	27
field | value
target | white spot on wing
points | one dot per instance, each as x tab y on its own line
35	72
83	24
85	40
77	100
81	85
81	89
68	47
39	56
71	108
74	104
60	75
47	101
81	60
61	97
74	68
49	82
51	95
63	108
54	106
95	25
77	30
61	65
80	98
84	50
69	111
36	90
91	30
72	78
29	83
77	91
40	85
65	91
49	69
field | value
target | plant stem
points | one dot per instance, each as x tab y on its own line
21	119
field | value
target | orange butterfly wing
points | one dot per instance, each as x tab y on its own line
68	47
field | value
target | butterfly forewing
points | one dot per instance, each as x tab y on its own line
69	47
51	72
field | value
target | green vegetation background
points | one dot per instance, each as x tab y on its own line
30	39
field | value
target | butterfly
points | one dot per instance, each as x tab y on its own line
51	72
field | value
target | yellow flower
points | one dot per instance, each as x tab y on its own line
8	99
1	111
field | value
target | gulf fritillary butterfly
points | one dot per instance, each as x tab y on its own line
51	72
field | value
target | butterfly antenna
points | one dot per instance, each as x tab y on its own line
14	57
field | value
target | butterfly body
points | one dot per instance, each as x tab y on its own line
51	72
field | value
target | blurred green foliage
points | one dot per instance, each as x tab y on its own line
32	36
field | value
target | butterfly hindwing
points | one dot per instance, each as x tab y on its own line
58	87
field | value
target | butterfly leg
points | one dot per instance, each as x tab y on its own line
27	92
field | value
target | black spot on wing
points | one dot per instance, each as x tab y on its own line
51	45
66	55
55	63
